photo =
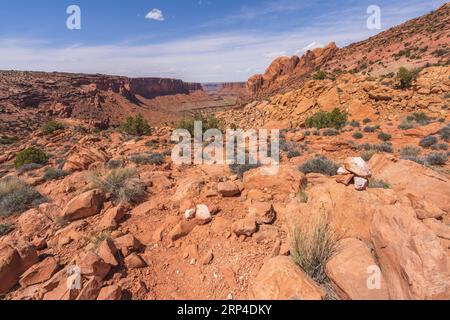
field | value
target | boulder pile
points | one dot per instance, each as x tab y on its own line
355	170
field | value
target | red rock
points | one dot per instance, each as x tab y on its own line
92	265
282	279
263	212
90	290
245	227
228	189
83	206
108	252
134	261
40	272
413	261
348	271
113	292
345	179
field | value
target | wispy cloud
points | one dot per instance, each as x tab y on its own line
221	56
155	14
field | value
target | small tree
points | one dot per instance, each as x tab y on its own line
30	155
319	75
136	126
407	77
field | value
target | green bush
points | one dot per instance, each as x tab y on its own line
54	174
357	135
5	229
406	125
294	153
7	140
409	151
367	120
123	184
445	133
16	196
319	164
188	123
240	169
334	119
30	155
319	75
312	246
437	158
407	77
428	141
418	117
384	136
148	158
370	129
354	124
51	127
136	126
330	132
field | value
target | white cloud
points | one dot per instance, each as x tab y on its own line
239	54
155	14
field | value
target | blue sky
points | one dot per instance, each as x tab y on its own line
195	40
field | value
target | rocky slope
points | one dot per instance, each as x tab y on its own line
415	43
29	99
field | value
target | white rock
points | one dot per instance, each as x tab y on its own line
189	214
358	167
342	170
203	215
360	183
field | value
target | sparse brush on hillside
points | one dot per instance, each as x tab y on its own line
357	135
16	196
384	136
123	184
437	158
148	158
137	126
419	118
407	77
319	75
312	246
188	123
51	127
293	153
319	164
383	147
54	174
378	184
445	133
240	169
7	140
428	141
5	229
30	156
334	119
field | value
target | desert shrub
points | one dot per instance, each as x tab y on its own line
378	184
428	141
367	120
16	196
114	164
409	151
406	77
384	136
30	155
370	129
383	147
51	127
316	133
123	184
241	169
439	146
419	117
5	229
312	246
334	119
354	124
406	125
444	133
54	174
294	153
148	158
437	158
7	140
367	155
319	75
28	167
330	132
357	135
319	164
137	126
188	123
80	129
302	196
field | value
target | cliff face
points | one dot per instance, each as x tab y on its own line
153	87
27	99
